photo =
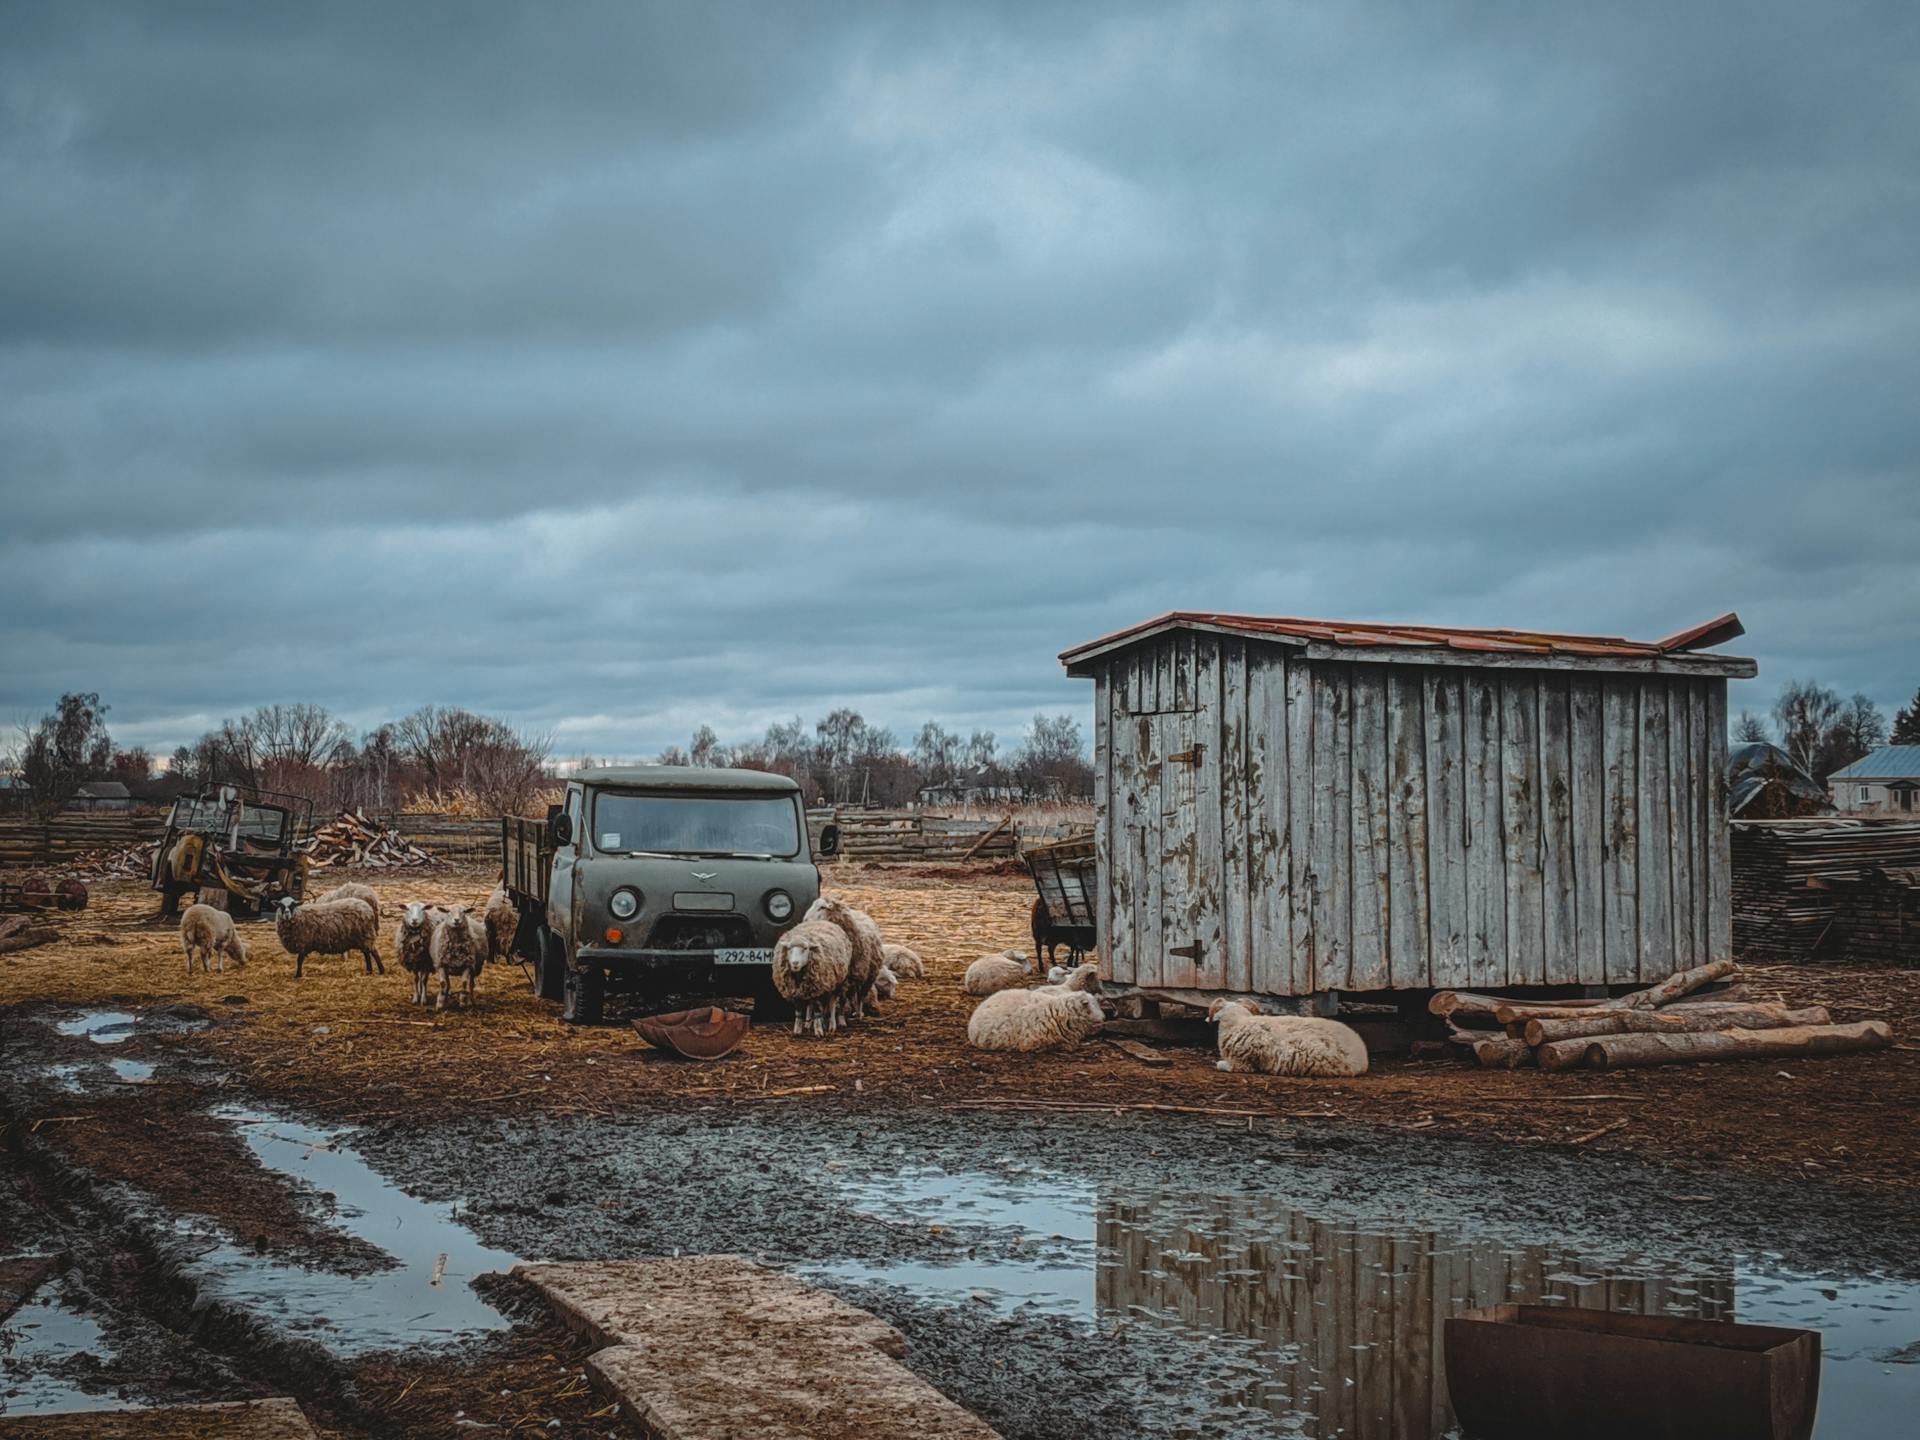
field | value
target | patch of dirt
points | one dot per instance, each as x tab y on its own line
348	1046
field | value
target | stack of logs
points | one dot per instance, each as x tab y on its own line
351	839
1655	1026
129	862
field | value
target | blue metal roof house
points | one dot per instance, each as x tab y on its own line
1881	782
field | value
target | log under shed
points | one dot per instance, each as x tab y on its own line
1296	808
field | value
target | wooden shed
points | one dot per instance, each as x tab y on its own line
1297	808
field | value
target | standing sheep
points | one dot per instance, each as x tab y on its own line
810	964
992	973
868	955
502	920
412	941
1285	1044
210	932
458	948
353	890
331	927
885	985
905	962
1043	1019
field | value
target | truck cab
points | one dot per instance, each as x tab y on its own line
660	880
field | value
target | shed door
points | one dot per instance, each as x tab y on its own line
1193	955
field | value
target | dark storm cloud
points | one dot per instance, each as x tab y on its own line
621	367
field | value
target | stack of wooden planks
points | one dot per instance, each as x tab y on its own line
1655	1026
1778	917
1876	918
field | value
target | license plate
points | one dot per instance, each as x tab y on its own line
743	957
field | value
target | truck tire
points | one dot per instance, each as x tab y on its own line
549	965
585	997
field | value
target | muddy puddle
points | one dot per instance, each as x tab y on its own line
424	1295
1325	1328
50	1353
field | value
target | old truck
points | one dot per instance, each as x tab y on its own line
234	848
659	880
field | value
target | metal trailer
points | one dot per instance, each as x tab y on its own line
1067	876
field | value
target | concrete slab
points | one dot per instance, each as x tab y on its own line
237	1420
20	1276
714	1346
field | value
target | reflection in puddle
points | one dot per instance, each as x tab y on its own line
425	1296
39	1345
103	1027
1330	1329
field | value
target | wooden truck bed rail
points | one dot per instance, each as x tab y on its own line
526	857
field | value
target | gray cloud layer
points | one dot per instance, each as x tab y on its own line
618	368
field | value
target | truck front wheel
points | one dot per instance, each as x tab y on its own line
585	995
549	966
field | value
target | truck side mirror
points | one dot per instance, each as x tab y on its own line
829	841
562	827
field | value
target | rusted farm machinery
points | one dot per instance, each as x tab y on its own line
1066	875
237	850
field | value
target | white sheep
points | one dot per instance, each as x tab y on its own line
412	942
905	962
1285	1044
1084	976
1041	1019
810	964
502	919
352	890
869	953
885	986
209	932
458	947
331	927
992	973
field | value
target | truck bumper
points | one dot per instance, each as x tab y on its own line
652	965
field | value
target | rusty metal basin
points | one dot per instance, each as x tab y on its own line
706	1032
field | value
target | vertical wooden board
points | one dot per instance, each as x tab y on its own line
1719	840
1409	953
1296	684
1446	830
1482	836
1520	827
1656	836
1206	818
1620	855
1586	727
1332	825
1163	672
1119	876
1186	693
1680	852
1127	680
1700	805
1239	806
1152	963
1372	837
1558	878
1269	849
1102	839
1414	1338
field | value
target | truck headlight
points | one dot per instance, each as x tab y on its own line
779	904
625	904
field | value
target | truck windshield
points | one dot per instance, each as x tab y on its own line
696	824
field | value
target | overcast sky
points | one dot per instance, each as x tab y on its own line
614	368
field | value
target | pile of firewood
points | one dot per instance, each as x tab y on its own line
1655	1026
351	839
129	862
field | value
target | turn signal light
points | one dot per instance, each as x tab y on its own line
615	935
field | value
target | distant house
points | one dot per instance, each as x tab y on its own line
1882	782
1763	783
978	788
102	795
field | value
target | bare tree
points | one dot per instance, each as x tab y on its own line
1803	714
1052	759
67	748
706	750
1749	728
1906	723
1859	728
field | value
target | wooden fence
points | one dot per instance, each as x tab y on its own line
26	843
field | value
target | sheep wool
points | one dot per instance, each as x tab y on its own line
992	973
1044	1019
330	927
458	947
209	932
810	964
353	890
1285	1044
905	962
1085	976
412	938
869	951
502	920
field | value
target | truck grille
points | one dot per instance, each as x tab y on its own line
701	932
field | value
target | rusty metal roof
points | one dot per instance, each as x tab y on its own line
1515	645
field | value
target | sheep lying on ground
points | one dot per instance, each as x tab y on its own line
209	932
991	973
867	955
810	964
352	890
1285	1044
905	963
501	919
412	941
331	927
1041	1019
1085	976
458	948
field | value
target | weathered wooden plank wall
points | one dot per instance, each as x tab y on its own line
1279	826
